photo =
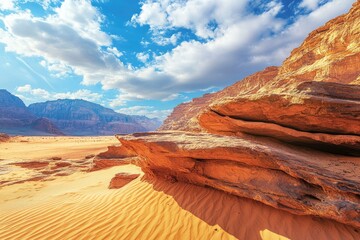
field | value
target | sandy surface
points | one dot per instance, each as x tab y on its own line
47	147
80	206
45	158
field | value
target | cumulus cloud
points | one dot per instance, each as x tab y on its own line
230	41
235	42
160	39
115	51
310	4
7	5
147	111
57	69
143	57
71	37
199	16
31	94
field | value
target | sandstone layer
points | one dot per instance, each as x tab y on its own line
322	76
301	181
287	136
121	179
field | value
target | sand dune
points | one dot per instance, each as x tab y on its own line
81	206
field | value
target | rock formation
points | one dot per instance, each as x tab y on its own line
15	118
295	179
4	137
121	179
287	136
80	117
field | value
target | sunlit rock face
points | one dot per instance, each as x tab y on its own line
291	178
287	136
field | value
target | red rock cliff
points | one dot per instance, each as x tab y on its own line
288	137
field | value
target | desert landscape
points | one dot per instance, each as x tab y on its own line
275	155
79	203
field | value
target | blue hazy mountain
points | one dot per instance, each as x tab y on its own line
15	118
80	117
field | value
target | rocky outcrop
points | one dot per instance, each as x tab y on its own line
324	115
301	181
4	137
311	100
44	124
287	136
121	179
330	54
40	169
80	117
103	163
185	116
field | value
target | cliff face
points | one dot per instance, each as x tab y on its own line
185	116
328	55
15	118
287	136
80	117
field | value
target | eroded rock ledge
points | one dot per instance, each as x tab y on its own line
286	136
298	180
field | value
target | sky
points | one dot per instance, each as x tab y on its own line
146	57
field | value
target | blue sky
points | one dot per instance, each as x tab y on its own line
146	57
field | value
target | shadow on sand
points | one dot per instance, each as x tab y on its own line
248	219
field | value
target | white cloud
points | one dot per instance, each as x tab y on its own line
310	4
114	51
145	43
161	40
80	94
237	42
172	97
57	69
193	14
231	43
147	111
143	57
38	94
152	14
25	88
123	97
7	5
71	37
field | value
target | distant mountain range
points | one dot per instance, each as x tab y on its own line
67	117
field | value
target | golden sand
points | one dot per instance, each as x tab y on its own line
80	206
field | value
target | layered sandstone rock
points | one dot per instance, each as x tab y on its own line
330	54
294	179
121	179
185	116
287	136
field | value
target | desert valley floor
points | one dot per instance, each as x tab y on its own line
61	199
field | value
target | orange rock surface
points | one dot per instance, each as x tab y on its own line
325	69
294	179
121	179
287	136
